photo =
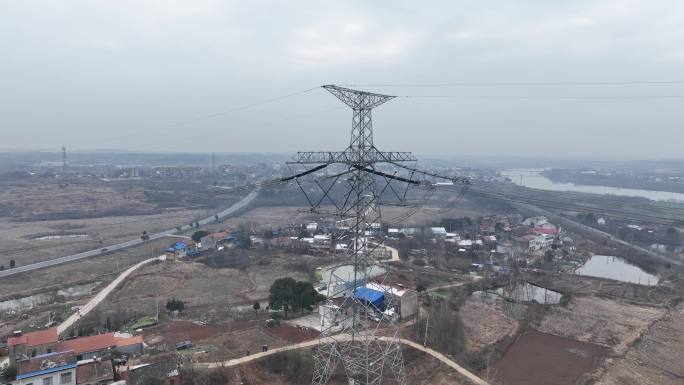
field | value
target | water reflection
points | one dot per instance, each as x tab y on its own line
532	178
516	297
604	266
29	302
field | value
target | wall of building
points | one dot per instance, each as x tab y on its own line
55	376
30	351
409	304
135	349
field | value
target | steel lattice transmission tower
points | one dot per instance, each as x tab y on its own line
363	347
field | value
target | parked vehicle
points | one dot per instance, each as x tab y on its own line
184	345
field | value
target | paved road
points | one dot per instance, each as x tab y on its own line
85	309
238	361
133	242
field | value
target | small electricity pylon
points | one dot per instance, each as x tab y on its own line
348	334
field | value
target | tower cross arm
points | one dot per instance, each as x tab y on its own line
358	100
351	157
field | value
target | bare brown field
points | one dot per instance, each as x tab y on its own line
275	216
660	295
91	213
42	199
600	321
542	359
485	324
200	286
212	295
295	368
103	267
18	238
654	359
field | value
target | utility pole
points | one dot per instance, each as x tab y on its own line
64	167
427	322
213	161
347	335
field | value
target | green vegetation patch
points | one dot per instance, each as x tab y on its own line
441	293
144	322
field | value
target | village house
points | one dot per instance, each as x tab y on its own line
406	301
101	345
535	242
256	241
492	224
94	372
164	370
438	232
47	369
41	342
215	240
179	249
535	221
452	238
27	345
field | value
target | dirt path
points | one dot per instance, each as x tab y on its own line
435	354
393	252
85	309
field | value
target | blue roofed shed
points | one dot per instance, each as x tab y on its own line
373	297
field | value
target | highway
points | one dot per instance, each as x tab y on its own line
133	242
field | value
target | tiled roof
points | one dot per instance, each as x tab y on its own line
161	370
96	343
129	341
45	362
88	344
39	337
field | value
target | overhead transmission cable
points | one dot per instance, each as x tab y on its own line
242	107
520	84
546	97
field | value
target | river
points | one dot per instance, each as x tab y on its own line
533	178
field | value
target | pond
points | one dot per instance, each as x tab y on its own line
517	297
29	302
605	266
51	237
525	292
346	273
533	178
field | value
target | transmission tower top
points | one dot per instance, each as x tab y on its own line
358	100
361	102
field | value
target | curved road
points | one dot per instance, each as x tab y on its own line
134	242
306	344
85	309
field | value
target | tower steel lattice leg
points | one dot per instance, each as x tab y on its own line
347	334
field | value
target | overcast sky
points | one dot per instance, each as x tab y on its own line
128	74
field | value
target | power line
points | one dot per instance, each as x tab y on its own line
521	84
545	97
240	108
236	109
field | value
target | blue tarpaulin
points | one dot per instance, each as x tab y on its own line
373	297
